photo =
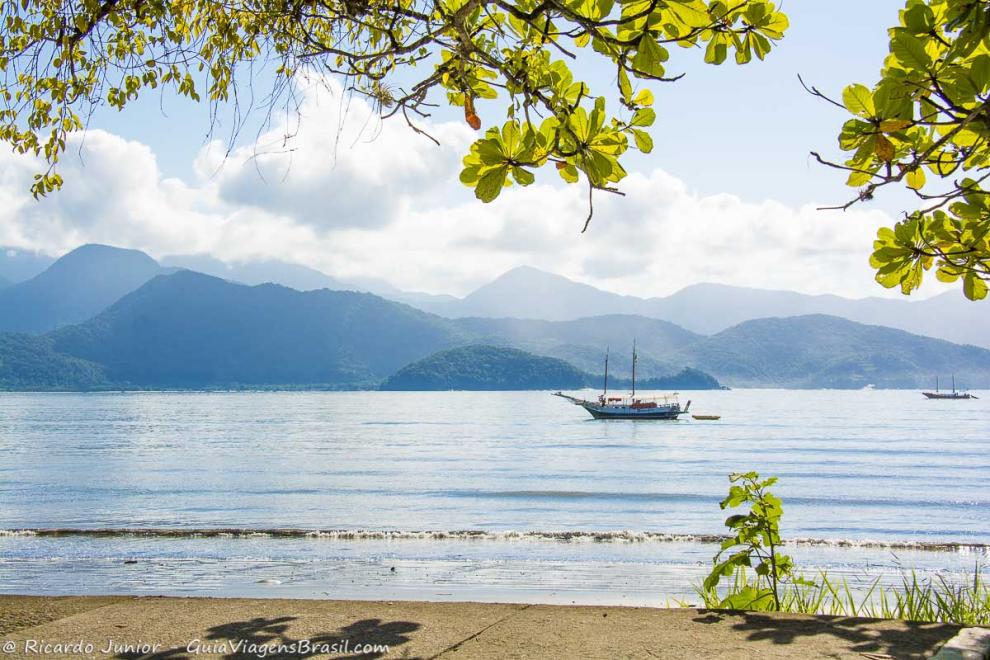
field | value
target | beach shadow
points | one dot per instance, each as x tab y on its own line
367	638
901	639
258	631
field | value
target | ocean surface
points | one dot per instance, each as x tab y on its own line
472	495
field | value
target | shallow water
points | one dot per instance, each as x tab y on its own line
882	469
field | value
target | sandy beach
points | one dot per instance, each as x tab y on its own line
125	627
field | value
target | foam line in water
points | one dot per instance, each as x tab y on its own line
603	536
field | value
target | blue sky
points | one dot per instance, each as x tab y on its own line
727	195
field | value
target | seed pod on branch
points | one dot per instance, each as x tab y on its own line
470	116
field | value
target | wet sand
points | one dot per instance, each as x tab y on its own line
153	627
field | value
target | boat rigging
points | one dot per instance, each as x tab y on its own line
631	406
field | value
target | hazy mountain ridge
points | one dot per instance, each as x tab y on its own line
294	276
583	342
74	288
20	265
39	294
530	293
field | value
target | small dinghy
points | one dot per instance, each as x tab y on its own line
707	417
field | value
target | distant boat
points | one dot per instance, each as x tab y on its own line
707	417
629	406
937	394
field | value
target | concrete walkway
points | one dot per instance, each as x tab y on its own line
198	627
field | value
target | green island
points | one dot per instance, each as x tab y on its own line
501	368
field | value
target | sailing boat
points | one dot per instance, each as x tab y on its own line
629	406
948	395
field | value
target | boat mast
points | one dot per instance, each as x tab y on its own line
936	383
634	369
953	383
605	389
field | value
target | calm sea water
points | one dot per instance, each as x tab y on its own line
865	474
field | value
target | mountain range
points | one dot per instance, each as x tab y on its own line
103	316
189	330
38	294
521	293
193	330
530	293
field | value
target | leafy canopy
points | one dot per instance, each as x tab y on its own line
925	126
62	59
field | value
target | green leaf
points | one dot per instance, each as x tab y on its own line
569	173
522	176
915	178
946	275
736	520
857	179
691	14
974	288
858	100
643	140
625	87
910	50
776	26
716	52
748	598
643	117
920	19
490	184
644	97
649	57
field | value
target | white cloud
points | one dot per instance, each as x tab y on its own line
341	165
659	238
355	199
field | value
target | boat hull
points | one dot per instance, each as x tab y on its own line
631	413
939	395
638	410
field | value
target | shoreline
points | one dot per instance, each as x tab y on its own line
549	536
424	569
193	627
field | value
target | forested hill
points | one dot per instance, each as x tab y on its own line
28	362
493	368
826	351
487	368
